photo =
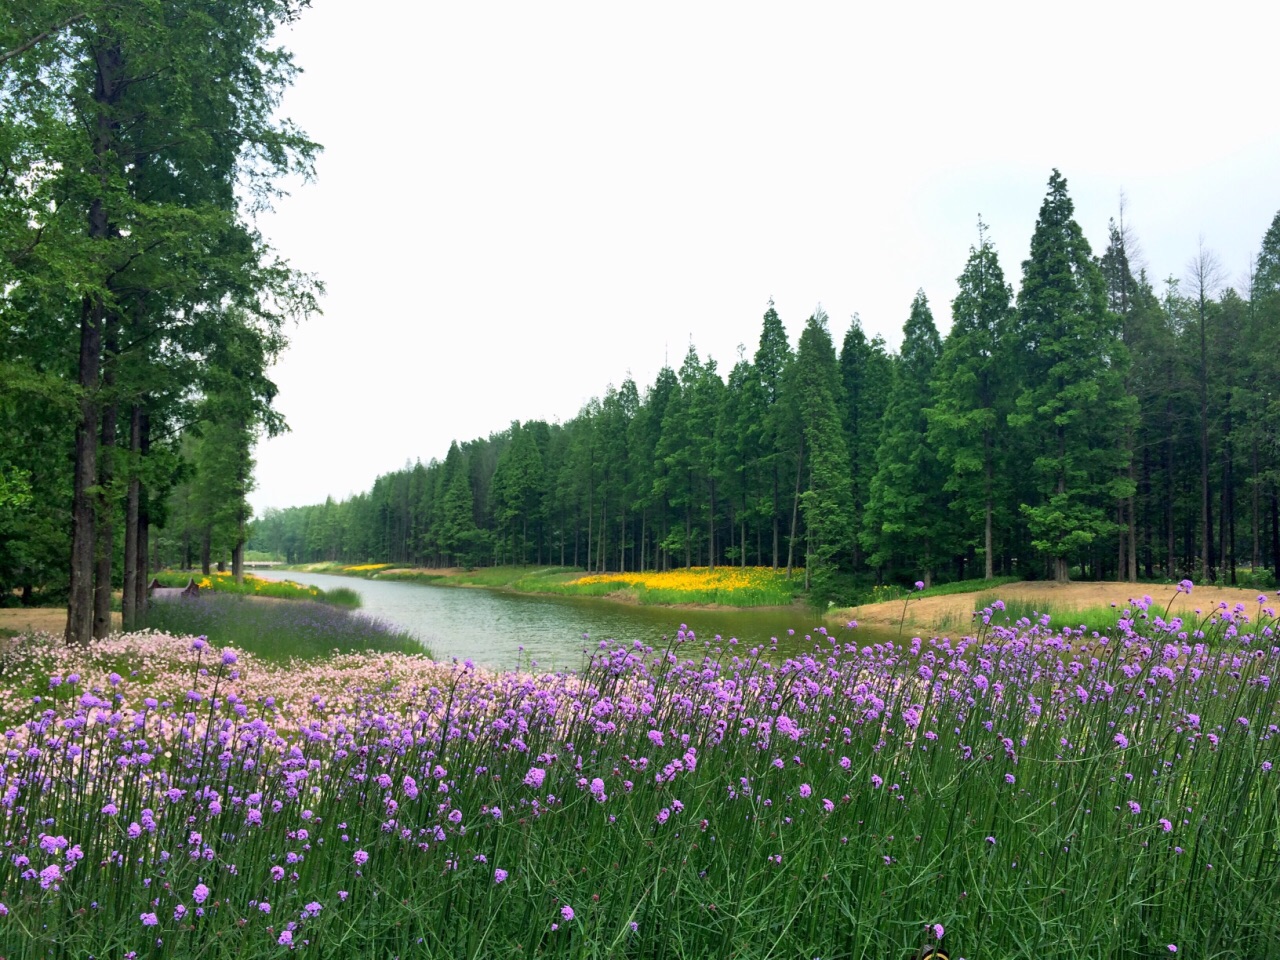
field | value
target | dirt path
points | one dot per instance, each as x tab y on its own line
952	612
40	619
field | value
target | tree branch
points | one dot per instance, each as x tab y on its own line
7	55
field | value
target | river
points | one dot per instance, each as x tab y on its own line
492	626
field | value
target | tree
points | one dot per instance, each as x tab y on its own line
968	419
905	518
128	222
866	373
772	358
1071	409
827	502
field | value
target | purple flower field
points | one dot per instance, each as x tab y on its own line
1025	791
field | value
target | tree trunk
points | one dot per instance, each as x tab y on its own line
80	593
775	514
795	511
988	565
129	598
144	522
711	530
105	548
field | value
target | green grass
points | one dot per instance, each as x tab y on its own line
882	593
1100	619
224	583
278	631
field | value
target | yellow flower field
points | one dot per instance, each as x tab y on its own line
736	586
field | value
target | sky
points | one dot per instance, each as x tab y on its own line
520	204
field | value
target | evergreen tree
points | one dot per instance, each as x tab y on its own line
866	373
783	441
1072	408
905	520
827	501
968	419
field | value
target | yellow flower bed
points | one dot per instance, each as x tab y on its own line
365	567
702	585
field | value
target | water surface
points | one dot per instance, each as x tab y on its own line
491	626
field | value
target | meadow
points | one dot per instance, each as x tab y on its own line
1026	791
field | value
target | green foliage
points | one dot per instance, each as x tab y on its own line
972	400
905	519
1071	409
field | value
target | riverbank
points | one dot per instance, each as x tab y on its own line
1091	602
944	610
696	588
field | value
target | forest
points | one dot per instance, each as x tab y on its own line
140	307
1100	425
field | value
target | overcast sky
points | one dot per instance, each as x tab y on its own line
519	204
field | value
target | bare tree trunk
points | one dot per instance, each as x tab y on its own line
795	511
1132	573
129	597
104	554
80	596
144	523
775	514
711	530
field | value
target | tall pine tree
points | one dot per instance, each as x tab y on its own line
1072	408
906	519
968	419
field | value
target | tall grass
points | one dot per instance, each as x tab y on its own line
1041	610
1021	793
277	631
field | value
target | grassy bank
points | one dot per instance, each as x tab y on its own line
1023	793
697	586
225	583
277	631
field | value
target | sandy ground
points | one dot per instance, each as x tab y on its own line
953	611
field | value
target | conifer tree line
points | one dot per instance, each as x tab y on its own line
1100	424
140	309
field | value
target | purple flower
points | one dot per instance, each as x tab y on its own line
286	938
200	894
228	657
500	876
919	584
535	777
1134	807
567	912
938	931
1185	586
361	857
805	790
179	912
1010	778
1121	740
877	781
149	919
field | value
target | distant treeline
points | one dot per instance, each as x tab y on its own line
1096	426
